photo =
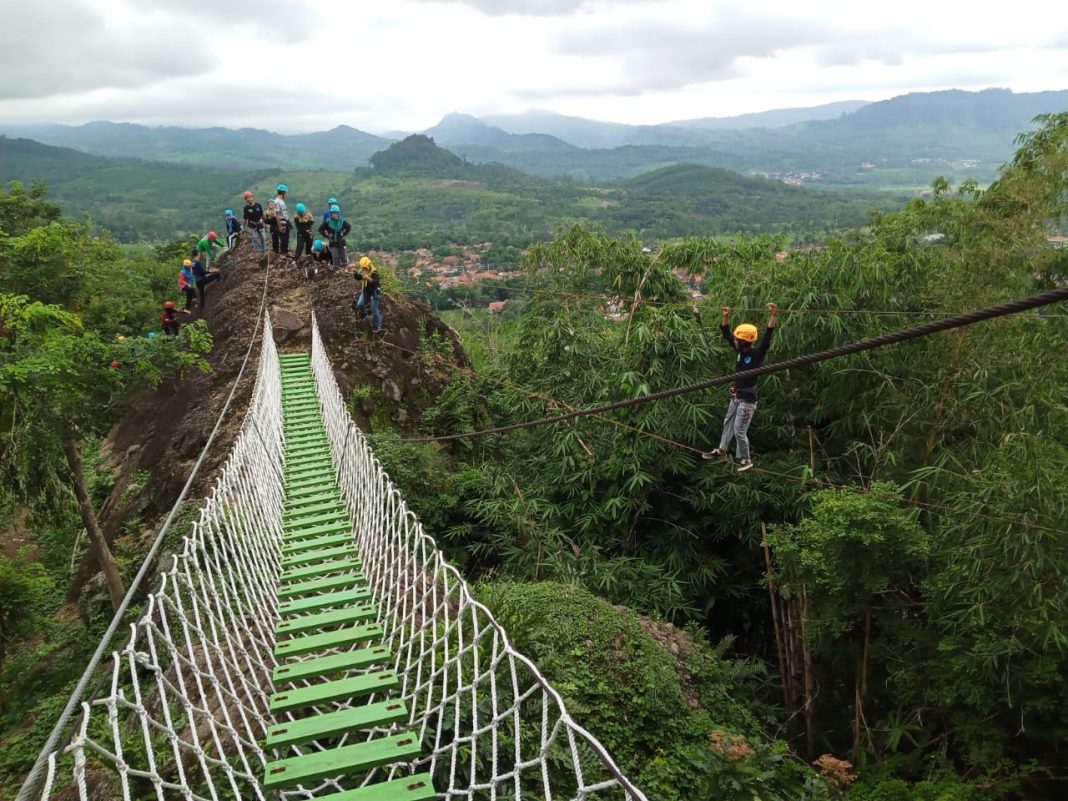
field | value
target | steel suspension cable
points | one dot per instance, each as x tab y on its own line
915	332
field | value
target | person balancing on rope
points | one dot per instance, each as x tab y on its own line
743	403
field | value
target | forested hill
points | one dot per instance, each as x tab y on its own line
341	148
904	141
419	195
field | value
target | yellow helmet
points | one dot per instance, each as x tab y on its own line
187	263
747	332
365	262
120	338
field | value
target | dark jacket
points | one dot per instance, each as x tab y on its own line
372	286
304	222
253	215
335	237
748	358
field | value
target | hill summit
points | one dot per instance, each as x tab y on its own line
418	155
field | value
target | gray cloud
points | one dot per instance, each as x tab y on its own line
531	8
277	20
65	47
657	55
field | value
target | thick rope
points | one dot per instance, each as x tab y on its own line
916	332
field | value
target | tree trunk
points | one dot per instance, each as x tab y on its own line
810	680
104	557
780	642
861	687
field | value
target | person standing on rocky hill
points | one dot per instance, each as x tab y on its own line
335	229
205	249
326	212
282	213
233	228
203	278
271	218
187	283
169	319
368	277
304	220
253	214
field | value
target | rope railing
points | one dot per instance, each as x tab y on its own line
187	705
491	724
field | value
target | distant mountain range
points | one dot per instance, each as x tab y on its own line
901	143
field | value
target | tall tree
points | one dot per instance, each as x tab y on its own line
59	384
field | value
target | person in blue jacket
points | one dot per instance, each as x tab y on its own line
329	204
233	228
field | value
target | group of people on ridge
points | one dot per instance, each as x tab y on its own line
197	272
333	228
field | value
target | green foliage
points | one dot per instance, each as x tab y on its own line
629	692
851	548
25	589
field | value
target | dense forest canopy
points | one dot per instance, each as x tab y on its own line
877	611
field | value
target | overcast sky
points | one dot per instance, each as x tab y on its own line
380	65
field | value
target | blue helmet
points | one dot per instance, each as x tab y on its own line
334	207
282	188
317	245
332	201
229	212
300	208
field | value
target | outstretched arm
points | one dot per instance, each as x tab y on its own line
774	319
725	327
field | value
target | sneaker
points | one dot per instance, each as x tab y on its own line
378	330
745	464
715	453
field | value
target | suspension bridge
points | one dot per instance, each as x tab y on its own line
308	640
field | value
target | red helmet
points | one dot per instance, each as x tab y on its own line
116	365
168	305
212	236
247	195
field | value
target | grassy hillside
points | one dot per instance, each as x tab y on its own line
420	195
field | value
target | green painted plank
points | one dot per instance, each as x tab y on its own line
341	538
338	761
321	569
323	554
334	724
297	514
300	482
296	446
327	640
307	470
294	496
319	666
295	501
317	530
304	522
323	600
419	787
316	462
321	620
326	692
319	585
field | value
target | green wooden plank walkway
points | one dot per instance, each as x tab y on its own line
334	677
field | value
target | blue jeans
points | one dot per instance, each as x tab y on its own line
259	239
361	307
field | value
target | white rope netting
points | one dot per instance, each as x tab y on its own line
186	711
490	724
